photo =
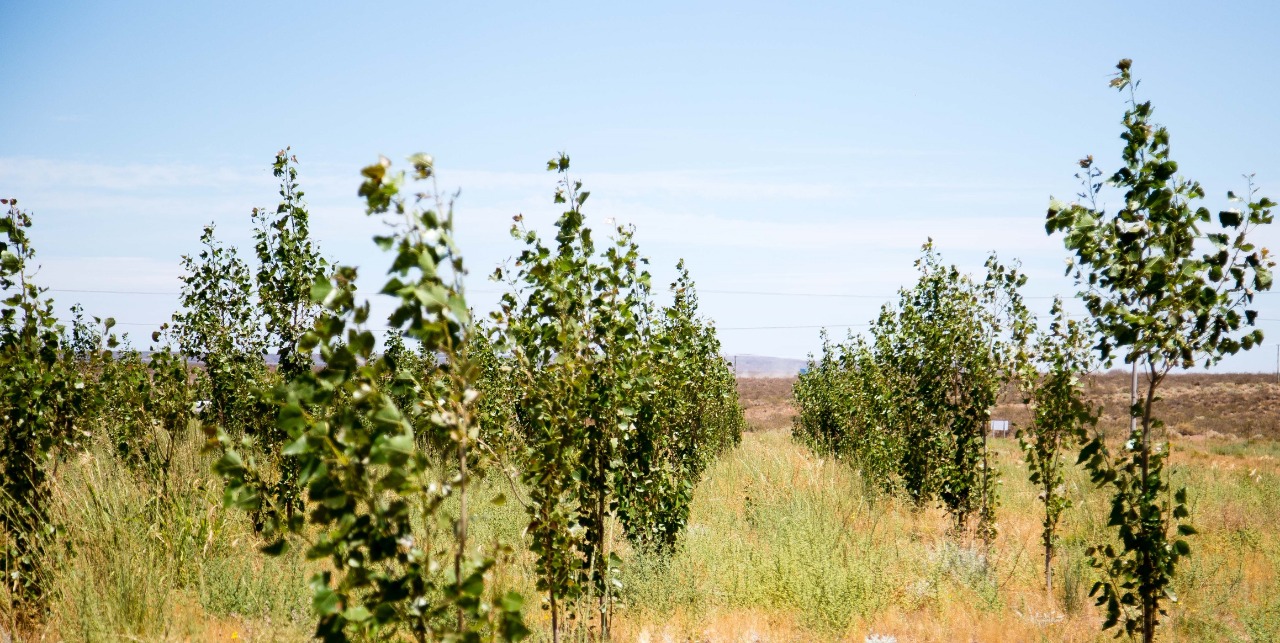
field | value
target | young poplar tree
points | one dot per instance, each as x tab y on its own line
688	414
220	325
696	380
574	327
1169	289
947	351
1061	418
872	442
288	263
911	405
372	492
821	418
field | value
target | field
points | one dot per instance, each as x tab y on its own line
781	546
332	340
1244	405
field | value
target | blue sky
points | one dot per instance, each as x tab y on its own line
778	148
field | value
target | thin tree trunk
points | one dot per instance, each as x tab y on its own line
555	619
986	464
1048	545
1048	570
604	577
1148	600
462	517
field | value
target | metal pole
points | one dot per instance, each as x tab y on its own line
1133	399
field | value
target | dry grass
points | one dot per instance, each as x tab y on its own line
766	402
781	546
785	546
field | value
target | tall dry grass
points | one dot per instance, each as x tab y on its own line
785	546
782	546
139	563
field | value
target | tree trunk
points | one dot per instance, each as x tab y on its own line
555	619
462	516
1048	572
604	567
1150	601
1048	544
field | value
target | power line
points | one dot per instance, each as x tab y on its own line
723	292
388	330
787	294
763	293
753	293
175	293
719	328
114	292
158	324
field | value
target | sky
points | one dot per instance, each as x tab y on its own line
795	156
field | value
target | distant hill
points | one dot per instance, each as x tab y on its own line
761	366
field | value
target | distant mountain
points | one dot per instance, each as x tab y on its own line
761	366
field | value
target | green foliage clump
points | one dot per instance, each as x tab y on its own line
41	397
574	329
689	414
619	409
288	263
355	449
844	410
912	404
500	428
220	325
139	404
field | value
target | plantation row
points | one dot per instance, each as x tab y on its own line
1164	287
608	408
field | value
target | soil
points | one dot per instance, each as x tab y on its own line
1196	405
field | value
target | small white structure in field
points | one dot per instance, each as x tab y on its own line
999	428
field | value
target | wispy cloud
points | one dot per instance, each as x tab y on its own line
747	230
35	173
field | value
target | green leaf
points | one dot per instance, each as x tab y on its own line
401	444
357	614
512	602
326	602
276	548
297	447
320	289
